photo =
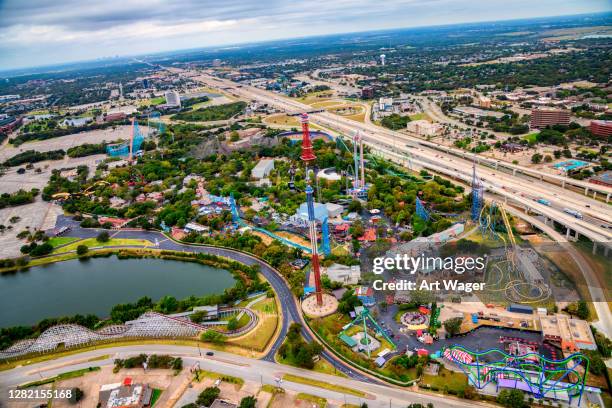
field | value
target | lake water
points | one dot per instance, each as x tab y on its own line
96	285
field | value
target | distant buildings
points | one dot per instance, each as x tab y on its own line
385	103
424	127
367	92
110	117
484	102
475	112
8	123
540	118
173	98
262	169
601	128
603	179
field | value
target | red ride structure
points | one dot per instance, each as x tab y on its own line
307	153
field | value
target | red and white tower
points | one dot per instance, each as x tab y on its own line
307	153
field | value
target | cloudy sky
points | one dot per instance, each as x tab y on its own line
42	32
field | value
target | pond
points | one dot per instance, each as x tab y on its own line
96	285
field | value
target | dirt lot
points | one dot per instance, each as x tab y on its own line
38	215
65	142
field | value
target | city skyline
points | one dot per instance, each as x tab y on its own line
37	33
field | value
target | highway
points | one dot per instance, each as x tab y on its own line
257	371
596	212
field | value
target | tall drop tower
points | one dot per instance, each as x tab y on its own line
324	304
312	227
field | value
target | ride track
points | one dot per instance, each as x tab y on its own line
520	368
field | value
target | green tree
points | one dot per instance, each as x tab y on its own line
511	398
452	326
103	237
208	396
232	324
248	402
536	158
82	250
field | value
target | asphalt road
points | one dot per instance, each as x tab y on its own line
258	371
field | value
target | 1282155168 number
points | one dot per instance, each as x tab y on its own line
36	394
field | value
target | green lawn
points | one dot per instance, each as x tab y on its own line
323	384
531	137
446	380
57	241
419	116
92	242
60	377
317	401
155	396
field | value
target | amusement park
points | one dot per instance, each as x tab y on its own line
315	209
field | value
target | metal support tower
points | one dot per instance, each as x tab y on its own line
356	185
312	226
325	246
477	195
421	210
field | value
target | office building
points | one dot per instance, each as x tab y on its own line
541	118
601	128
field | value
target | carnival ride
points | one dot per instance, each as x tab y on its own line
563	379
155	126
87	192
363	317
130	147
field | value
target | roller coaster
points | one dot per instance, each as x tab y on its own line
87	192
531	372
517	288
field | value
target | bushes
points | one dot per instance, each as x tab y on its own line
207	396
37	250
32	156
219	112
213	337
82	250
18	198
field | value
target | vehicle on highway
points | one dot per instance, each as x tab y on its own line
544	202
210	353
573	213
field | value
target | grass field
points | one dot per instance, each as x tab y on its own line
57	241
61	377
282	119
531	137
446	380
316	401
323	384
92	242
155	396
420	116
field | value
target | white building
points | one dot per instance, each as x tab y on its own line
173	98
423	127
385	103
349	275
334	210
195	227
263	168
